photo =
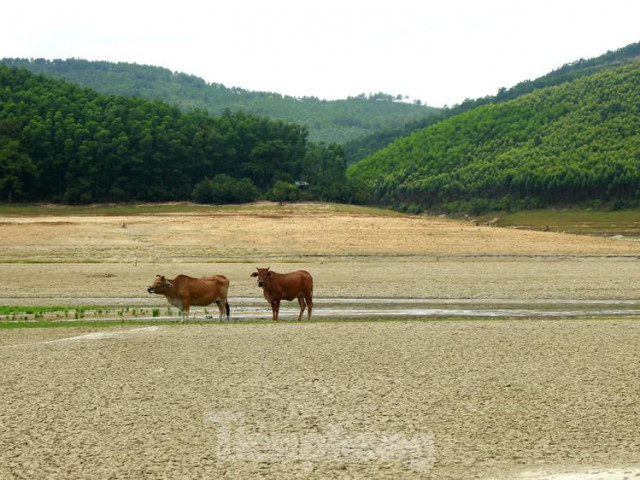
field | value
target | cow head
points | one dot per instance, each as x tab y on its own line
160	285
263	274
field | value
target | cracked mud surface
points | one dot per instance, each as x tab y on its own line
441	399
492	399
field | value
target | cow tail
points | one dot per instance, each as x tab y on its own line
226	304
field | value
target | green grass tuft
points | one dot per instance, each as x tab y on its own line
576	221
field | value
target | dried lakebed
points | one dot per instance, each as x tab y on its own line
533	396
500	399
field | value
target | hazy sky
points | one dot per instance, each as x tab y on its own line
438	51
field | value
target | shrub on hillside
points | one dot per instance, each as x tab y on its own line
225	189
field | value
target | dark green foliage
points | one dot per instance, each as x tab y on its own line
63	143
330	121
362	147
17	170
223	189
573	143
284	192
324	168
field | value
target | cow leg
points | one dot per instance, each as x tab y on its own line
302	305
275	309
221	309
309	306
185	309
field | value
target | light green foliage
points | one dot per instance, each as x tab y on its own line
574	143
362	147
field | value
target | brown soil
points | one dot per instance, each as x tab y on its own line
282	232
440	399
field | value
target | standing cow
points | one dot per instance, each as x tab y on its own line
286	286
184	291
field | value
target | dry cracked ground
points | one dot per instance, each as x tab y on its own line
442	399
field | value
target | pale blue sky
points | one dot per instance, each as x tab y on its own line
438	51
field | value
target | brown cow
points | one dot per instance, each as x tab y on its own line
184	291
286	286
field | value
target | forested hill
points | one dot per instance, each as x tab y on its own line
63	143
330	121
359	148
575	143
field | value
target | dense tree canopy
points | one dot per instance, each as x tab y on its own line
574	143
60	142
577	141
328	121
361	147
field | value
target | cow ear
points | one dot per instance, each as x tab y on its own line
168	285
254	274
269	274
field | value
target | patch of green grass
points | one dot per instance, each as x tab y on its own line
124	209
7	310
285	323
74	314
362	210
31	261
74	324
185	207
578	221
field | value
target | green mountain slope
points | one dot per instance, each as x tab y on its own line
573	143
330	121
359	148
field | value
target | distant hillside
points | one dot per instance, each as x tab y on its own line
359	148
578	142
330	121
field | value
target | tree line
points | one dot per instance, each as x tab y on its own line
331	121
63	143
576	143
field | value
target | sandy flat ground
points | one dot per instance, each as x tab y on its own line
397	277
358	255
448	400
281	232
442	400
